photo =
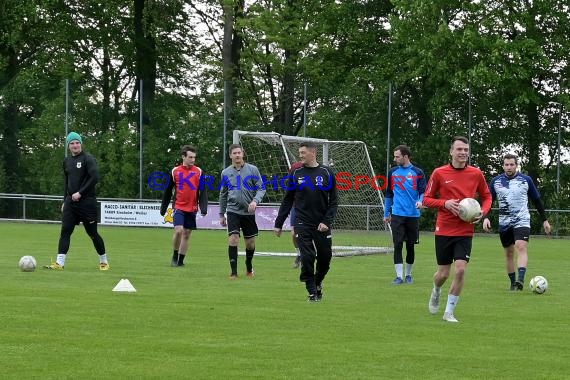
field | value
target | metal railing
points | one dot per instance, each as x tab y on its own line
25	198
28	211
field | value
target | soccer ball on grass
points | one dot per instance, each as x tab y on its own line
27	263
538	284
469	209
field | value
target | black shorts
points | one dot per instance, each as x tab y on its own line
246	223
451	248
511	235
83	211
405	228
185	219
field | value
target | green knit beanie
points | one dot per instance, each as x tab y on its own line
73	136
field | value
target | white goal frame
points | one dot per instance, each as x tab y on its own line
359	209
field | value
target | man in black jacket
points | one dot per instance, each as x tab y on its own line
312	191
81	174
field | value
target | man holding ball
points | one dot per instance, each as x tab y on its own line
447	186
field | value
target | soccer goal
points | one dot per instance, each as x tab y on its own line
361	204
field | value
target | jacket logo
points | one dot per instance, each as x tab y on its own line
79	165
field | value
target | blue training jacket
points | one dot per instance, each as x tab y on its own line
406	186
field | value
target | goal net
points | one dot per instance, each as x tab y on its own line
361	204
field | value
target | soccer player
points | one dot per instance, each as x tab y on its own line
313	193
403	201
512	189
447	186
185	179
242	190
297	263
81	174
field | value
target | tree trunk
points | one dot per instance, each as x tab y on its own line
533	140
284	121
11	155
231	49
145	56
106	90
227	61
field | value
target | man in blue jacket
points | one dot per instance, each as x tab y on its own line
403	201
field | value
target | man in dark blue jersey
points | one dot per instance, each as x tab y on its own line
313	193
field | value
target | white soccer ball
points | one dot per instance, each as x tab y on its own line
538	284
469	209
27	263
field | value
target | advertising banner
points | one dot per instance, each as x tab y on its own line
147	214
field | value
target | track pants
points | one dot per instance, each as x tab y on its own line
316	247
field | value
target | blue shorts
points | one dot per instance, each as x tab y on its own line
185	219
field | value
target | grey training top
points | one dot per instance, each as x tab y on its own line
239	187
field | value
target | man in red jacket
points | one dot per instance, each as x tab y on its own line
190	194
448	185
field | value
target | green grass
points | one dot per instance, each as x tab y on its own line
194	322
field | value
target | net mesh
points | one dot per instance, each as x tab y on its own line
361	204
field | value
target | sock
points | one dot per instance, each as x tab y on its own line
452	301
181	259
437	288
61	259
512	278
399	270
233	255
248	259
175	256
103	259
409	269
522	272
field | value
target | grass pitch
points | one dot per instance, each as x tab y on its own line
194	322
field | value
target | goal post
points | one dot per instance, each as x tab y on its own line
361	203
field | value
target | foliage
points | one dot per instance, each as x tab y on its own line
495	70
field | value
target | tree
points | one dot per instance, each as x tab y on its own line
24	31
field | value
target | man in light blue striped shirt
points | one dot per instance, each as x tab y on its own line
512	189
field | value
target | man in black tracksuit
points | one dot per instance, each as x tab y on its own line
81	174
312	190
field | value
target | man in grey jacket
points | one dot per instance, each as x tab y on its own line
242	190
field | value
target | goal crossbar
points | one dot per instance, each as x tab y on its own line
361	203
